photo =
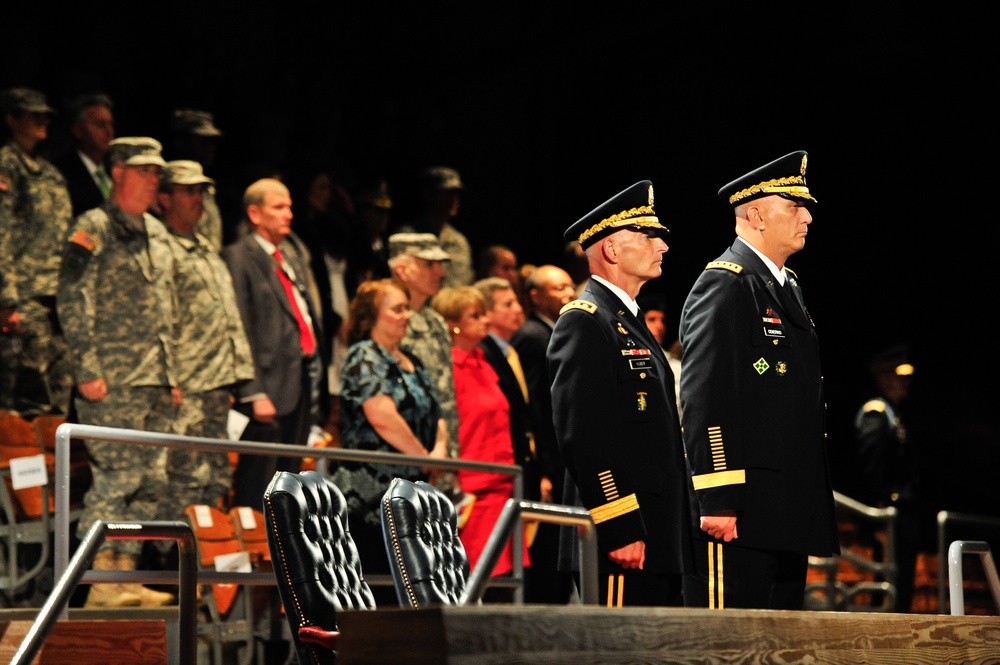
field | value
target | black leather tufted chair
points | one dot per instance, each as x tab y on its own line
428	561
316	563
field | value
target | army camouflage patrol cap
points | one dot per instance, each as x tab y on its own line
136	151
195	122
784	177
24	100
420	245
185	172
629	209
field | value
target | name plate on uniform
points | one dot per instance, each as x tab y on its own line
640	363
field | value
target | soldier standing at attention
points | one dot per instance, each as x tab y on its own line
614	411
116	308
35	216
441	196
417	260
212	351
754	412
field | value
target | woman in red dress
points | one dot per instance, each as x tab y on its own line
484	420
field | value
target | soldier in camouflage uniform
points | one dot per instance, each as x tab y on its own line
35	216
194	137
212	351
416	259
115	305
441	191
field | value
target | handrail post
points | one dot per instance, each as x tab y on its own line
946	518
82	558
512	514
955	577
588	564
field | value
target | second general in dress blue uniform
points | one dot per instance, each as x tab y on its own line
752	399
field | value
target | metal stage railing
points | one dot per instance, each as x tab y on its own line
948	524
67	581
834	594
955	552
68	431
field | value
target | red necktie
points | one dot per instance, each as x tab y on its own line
305	333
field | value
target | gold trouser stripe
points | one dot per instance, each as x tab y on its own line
616	600
711	576
716	579
718	479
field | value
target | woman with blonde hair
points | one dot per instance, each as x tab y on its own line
483	419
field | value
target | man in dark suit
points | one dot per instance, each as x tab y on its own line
752	398
504	318
548	288
282	325
92	125
614	411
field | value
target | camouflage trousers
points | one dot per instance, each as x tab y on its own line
36	374
129	479
198	476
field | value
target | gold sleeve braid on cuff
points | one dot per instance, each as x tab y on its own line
616	508
708	480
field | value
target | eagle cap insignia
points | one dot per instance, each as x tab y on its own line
802	169
651	187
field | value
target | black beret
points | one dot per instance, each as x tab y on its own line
632	208
785	177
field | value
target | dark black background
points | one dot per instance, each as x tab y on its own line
549	108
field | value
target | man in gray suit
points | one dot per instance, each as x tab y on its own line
282	324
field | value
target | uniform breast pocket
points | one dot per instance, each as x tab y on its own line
638	388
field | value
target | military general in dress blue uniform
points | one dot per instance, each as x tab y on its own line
753	406
614	411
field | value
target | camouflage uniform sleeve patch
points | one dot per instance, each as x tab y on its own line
584	305
78	253
725	265
84	239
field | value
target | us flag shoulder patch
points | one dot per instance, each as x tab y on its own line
84	239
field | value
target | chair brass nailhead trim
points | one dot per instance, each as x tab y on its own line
281	551
395	548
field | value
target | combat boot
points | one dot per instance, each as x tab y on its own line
109	594
147	597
